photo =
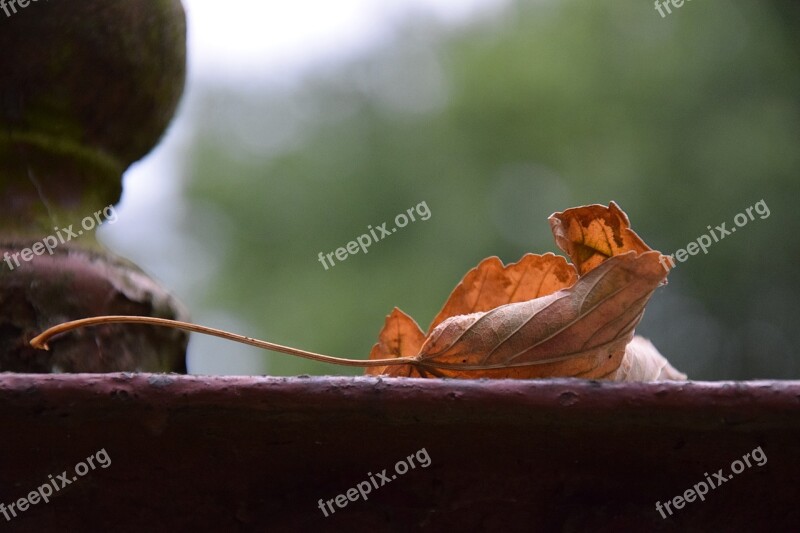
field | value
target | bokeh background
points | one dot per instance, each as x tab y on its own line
304	122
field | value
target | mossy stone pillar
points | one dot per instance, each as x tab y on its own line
86	89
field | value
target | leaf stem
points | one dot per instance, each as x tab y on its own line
40	341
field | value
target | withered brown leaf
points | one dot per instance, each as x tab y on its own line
536	318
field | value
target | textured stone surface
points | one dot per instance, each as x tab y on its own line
86	88
256	453
76	283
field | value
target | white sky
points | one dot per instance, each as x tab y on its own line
247	39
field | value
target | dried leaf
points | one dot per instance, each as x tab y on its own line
593	233
534	319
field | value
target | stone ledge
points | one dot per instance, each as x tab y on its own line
257	453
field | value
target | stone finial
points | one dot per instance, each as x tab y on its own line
86	89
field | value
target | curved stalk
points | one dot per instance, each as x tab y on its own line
40	341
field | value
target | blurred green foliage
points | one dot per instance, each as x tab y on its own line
685	121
